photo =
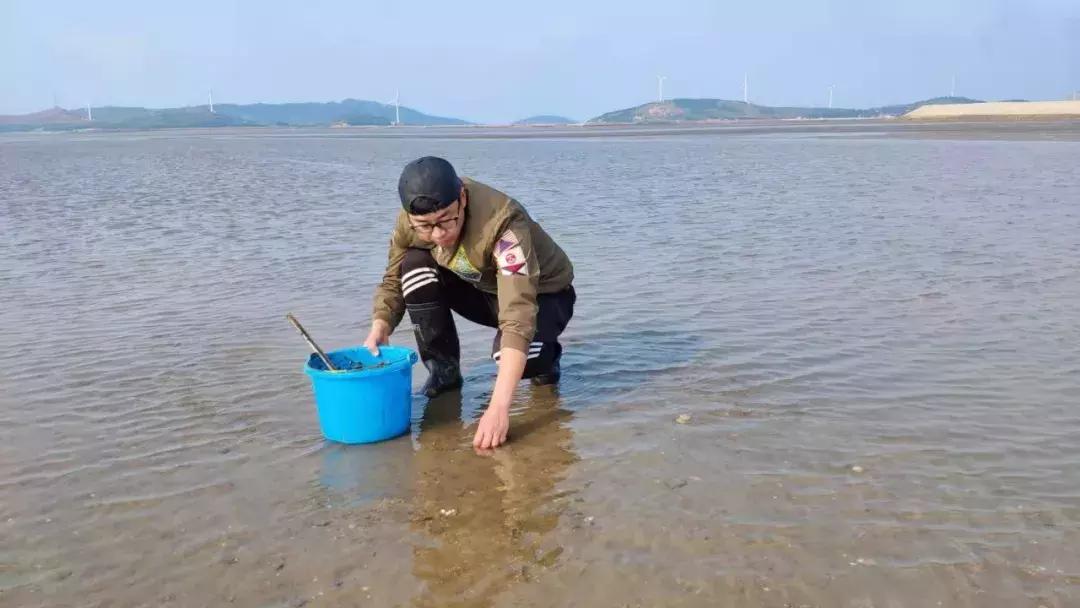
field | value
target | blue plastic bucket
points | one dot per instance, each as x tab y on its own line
364	405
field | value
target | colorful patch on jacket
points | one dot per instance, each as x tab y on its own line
509	256
462	267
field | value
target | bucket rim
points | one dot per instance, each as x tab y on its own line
408	358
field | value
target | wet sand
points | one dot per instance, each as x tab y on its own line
870	336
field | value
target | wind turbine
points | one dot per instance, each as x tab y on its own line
831	87
660	88
396	102
952	91
89	113
746	88
211	92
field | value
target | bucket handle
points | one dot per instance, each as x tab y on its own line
413	358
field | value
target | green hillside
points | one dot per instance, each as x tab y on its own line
314	114
546	119
678	110
348	111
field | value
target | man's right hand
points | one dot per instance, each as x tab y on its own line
378	336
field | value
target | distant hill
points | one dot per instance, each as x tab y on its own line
348	112
356	120
546	119
676	110
314	114
50	116
143	118
114	117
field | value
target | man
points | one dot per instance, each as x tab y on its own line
464	246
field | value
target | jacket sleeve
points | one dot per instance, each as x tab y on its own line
518	281
389	304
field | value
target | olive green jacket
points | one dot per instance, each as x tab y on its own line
501	251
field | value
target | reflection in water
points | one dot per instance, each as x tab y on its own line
484	519
353	475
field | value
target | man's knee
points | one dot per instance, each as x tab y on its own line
416	258
419	276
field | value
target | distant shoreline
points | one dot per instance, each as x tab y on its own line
979	128
616	129
353	115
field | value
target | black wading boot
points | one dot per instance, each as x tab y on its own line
437	341
552	375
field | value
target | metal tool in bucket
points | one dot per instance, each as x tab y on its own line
311	343
360	397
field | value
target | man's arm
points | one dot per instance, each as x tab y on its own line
388	306
518	281
495	423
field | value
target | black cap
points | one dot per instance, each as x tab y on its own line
427	185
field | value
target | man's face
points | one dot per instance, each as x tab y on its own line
442	227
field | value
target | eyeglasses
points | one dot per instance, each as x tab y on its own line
445	225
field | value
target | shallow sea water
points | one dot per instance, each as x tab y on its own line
874	338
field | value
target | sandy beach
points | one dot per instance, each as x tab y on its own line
998	109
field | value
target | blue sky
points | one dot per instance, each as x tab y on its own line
499	61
